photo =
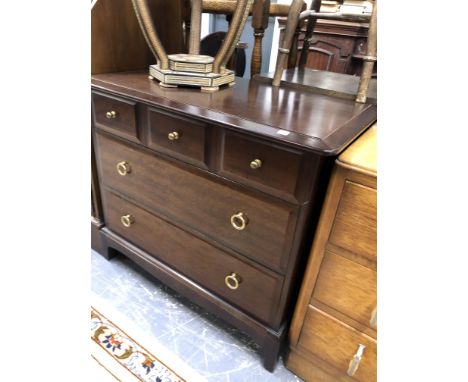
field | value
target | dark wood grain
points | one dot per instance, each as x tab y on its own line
311	121
259	289
280	169
124	123
189	147
335	45
203	204
269	339
117	43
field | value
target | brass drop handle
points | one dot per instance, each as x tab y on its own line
111	114
127	220
233	281
256	163
373	320
239	221
174	136
354	363
123	168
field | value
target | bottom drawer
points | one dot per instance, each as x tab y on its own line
338	344
254	290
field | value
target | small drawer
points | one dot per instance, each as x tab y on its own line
115	115
179	137
355	224
258	227
268	167
347	287
351	352
252	289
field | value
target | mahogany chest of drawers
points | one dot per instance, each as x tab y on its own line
334	329
214	193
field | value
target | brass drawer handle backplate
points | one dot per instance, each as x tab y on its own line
232	281
373	320
127	220
354	363
256	163
174	136
111	114
239	221
123	168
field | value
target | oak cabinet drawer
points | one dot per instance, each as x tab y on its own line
339	345
259	228
355	224
177	136
115	115
348	287
265	166
250	288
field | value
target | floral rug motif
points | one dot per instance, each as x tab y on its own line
128	353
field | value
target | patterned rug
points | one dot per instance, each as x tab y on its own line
118	352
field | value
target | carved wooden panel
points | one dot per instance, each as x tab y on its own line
336	46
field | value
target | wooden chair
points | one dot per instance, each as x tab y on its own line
261	11
295	16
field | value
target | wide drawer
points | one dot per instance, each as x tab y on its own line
115	115
265	166
260	229
348	287
339	345
179	137
252	289
355	224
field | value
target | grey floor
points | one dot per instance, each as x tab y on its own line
216	350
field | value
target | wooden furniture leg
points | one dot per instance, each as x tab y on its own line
370	58
283	51
260	15
272	348
311	21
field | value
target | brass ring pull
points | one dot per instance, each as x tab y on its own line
127	220
354	363
256	163
123	168
239	221
373	320
232	281
174	136
111	114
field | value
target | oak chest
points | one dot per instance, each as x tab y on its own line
333	334
214	194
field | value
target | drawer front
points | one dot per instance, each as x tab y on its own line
257	290
355	224
337	344
273	169
348	287
115	115
179	137
201	203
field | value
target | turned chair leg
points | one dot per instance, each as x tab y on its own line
283	51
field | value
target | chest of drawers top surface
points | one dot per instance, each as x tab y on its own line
314	122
